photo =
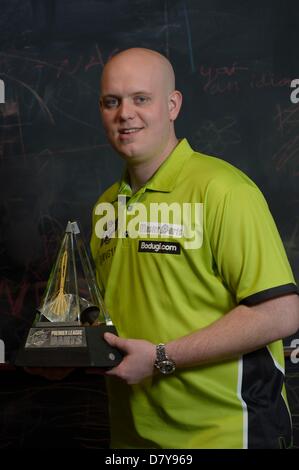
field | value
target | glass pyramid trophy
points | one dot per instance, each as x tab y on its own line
72	317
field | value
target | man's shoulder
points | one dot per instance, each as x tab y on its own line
212	164
214	172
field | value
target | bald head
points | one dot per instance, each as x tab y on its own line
143	59
139	105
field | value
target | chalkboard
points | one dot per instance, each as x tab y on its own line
234	63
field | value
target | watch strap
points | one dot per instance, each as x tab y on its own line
163	362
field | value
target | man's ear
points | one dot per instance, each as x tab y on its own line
174	104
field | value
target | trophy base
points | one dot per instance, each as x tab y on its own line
67	344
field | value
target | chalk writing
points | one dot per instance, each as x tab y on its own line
219	80
287	155
233	78
268	80
215	136
15	300
286	118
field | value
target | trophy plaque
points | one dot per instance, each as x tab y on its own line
72	318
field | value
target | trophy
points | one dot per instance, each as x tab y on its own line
72	318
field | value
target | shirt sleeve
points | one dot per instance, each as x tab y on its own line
247	247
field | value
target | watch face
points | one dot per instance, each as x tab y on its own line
166	367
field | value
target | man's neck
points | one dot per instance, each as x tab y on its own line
140	173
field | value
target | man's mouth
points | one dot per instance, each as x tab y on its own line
130	130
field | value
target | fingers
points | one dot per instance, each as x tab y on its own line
119	343
116	341
114	371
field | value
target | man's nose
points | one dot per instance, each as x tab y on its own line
126	110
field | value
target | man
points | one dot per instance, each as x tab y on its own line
199	304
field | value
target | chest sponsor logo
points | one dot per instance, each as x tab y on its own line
166	230
156	246
177	220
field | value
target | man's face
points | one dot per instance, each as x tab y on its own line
135	108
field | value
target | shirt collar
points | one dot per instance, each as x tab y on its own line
164	179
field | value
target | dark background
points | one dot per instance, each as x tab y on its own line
234	62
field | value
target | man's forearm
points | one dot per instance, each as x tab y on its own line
242	330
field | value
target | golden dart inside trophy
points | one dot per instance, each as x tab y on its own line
72	318
61	302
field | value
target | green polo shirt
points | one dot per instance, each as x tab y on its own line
195	241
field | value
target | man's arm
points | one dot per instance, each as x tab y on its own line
242	330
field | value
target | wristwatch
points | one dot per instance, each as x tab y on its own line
163	362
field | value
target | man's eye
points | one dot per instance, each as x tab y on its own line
140	99
110	102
